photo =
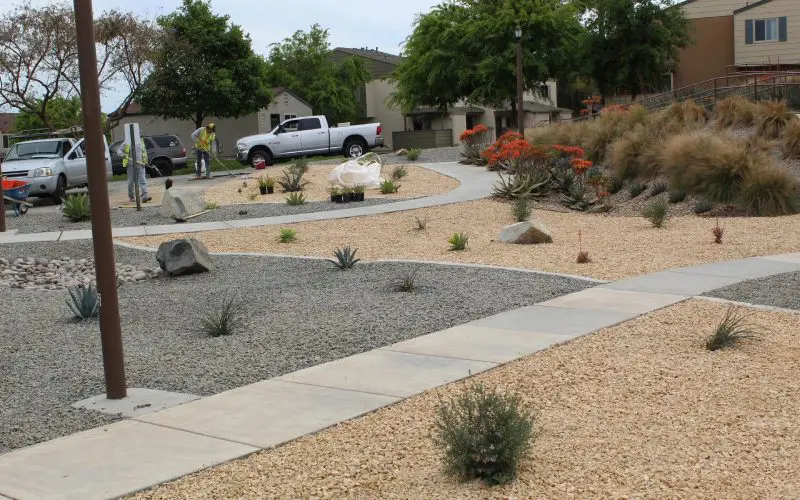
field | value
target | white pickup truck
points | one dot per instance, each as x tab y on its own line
51	165
305	136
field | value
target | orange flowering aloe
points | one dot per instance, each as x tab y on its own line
512	153
474	141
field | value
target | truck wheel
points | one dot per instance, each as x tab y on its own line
60	191
354	148
163	166
259	155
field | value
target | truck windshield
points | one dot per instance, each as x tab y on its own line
33	150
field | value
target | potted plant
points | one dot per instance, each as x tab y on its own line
262	185
358	192
347	194
270	183
336	194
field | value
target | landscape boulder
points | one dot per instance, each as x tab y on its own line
526	233
401	152
184	256
181	203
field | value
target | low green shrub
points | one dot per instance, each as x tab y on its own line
76	207
483	435
458	241
389	186
399	172
656	211
703	206
287	235
636	188
677	195
413	153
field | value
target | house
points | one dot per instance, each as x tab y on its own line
7	122
432	127
738	35
285	105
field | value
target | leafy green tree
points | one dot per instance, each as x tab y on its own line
303	64
62	113
205	67
466	49
630	44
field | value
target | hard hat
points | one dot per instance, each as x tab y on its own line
212	126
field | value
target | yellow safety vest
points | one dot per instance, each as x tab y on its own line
126	154
205	139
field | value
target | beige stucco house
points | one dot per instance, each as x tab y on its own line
429	127
285	105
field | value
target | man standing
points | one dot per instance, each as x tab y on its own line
141	173
203	138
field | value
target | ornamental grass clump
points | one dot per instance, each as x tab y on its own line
483	435
790	143
735	111
730	331
772	119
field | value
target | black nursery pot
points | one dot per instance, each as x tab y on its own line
338	199
270	189
359	196
263	189
348	197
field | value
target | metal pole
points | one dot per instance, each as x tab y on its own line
132	161
520	105
110	330
2	206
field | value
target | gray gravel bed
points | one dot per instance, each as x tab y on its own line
151	216
296	313
433	155
779	290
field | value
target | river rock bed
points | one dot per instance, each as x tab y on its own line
57	274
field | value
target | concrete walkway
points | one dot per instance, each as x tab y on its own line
476	183
130	455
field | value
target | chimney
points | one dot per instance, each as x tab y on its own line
376	49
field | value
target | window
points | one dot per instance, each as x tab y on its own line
165	141
149	143
274	120
291	126
766	30
5	142
309	124
289	117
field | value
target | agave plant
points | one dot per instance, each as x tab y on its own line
578	198
292	180
225	319
296	199
345	258
76	207
389	186
521	186
85	301
563	179
458	241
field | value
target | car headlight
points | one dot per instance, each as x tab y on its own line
43	172
241	147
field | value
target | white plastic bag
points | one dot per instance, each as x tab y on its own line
364	170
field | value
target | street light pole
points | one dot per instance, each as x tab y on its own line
110	329
520	106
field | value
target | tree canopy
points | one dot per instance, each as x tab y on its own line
204	67
465	49
630	44
303	64
39	63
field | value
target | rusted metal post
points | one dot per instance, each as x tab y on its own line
520	103
110	330
2	206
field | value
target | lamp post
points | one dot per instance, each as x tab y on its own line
520	107
110	329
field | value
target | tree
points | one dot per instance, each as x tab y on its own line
630	44
38	57
62	113
303	64
465	49
205	67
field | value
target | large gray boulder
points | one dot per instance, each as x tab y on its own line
526	233
185	256
181	203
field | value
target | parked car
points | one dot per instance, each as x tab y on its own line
309	135
164	153
51	165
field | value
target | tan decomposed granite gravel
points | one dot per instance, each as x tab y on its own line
419	182
639	410
619	247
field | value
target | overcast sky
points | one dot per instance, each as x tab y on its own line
352	23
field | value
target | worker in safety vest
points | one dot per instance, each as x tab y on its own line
125	152
203	138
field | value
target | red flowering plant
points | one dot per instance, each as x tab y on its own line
513	154
474	140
